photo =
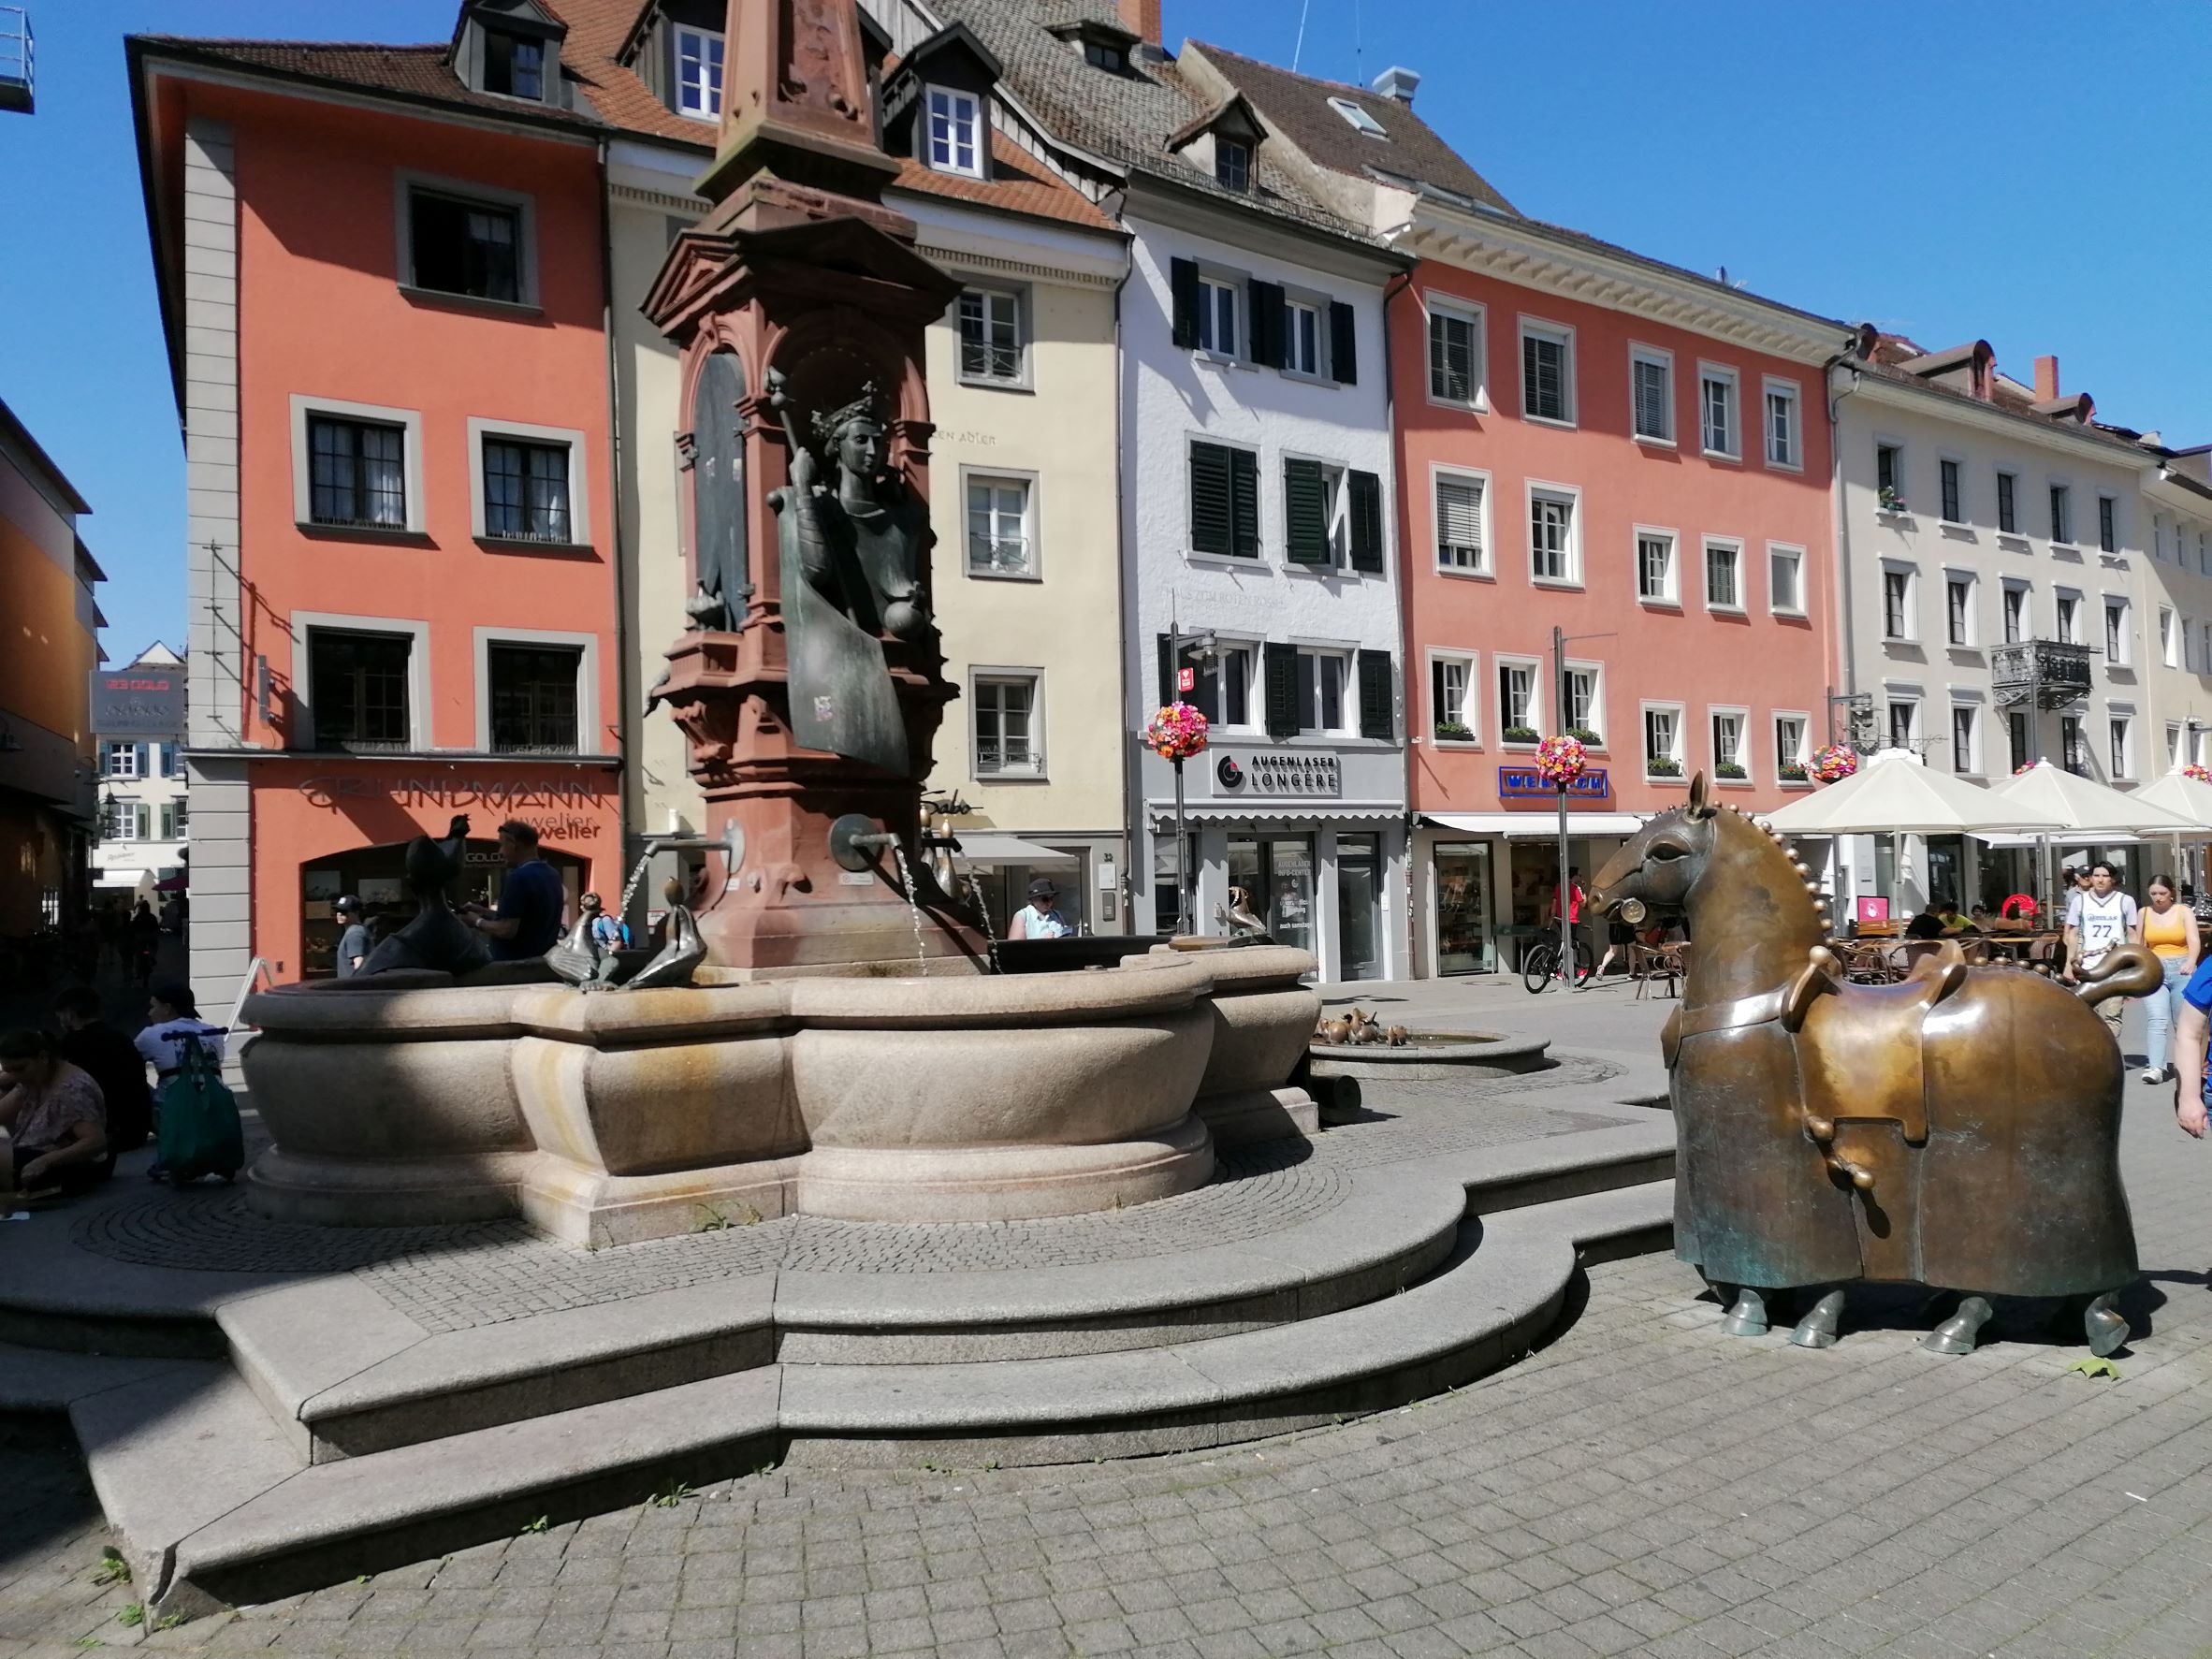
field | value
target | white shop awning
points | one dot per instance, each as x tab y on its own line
979	847
1535	827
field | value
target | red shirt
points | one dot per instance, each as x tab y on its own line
1574	902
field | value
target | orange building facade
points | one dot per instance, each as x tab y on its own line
387	313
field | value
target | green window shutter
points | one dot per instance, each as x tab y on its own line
1343	344
1367	525
1378	689
1267	324
1182	284
1244	490
1280	664
1213	512
1305	512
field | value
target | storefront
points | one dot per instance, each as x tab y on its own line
1086	872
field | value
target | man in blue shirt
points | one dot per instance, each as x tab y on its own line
528	920
2193	1025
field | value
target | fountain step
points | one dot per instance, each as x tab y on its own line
217	1502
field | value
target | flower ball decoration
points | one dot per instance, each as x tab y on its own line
2202	774
1176	733
1833	764
1561	760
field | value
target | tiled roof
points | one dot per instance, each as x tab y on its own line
1125	119
1297	107
1892	352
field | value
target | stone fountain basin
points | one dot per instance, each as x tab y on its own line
1433	1056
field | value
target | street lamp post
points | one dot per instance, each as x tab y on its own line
1563	899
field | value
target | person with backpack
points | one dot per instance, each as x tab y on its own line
173	1016
196	1124
56	1122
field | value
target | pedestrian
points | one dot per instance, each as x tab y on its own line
145	938
2098	917
2170	929
56	1122
610	933
1040	917
528	919
111	1060
1571	897
172	1020
353	942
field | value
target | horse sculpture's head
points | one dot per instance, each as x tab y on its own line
1658	868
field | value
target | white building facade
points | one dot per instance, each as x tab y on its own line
144	827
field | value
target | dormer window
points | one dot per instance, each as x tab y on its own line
1232	164
1104	54
511	49
513	65
698	73
955	132
1358	117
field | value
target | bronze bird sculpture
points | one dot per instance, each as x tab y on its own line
675	961
580	958
436	938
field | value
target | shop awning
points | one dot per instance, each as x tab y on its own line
1286	810
979	847
1535	827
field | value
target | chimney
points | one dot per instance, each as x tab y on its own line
2046	380
1397	81
1141	18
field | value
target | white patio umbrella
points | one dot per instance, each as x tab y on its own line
2192	797
2087	807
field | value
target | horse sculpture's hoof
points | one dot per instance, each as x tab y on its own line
2104	1325
1748	1318
1957	1334
1817	1328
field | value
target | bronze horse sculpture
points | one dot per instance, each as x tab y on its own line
1959	1129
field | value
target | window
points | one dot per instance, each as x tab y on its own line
1553	551
1723	576
1889	476
1321	692
526	491
1101	54
1965	757
1947	481
1650	374
2169	639
1897	604
358	684
2061	515
2068	615
1518	709
1663	739
1455	354
1585	704
1218	316
1000	540
175	821
532	694
1655	579
1728	759
2123	746
1958	609
1224	501
2074	747
122	760
955	132
1462	543
990	336
698	73
2008	504
1904	719
1716	411
357	474
125	820
1547	374
1232	164
2107	524
1358	117
513	65
1314	517
1008	737
1451	699
1225	686
1301	338
2017	733
2173	745
2116	631
2016	624
1781	426
1789	747
458	246
1786	581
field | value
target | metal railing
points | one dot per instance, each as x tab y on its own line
2049	673
17	61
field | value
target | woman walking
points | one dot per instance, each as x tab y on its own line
2170	929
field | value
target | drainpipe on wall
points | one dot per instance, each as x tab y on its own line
625	671
1841	863
1399	285
1134	846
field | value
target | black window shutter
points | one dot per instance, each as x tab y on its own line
1367	530
1243	482
1305	512
1182	283
1213	513
1267	325
1344	345
1281	664
1379	686
1166	674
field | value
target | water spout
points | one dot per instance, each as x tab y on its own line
906	876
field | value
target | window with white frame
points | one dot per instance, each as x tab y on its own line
698	73
120	760
1785	580
1217	318
2008	502
1889	476
2067	609
1455	352
1897	601
1656	580
176	822
1009	735
2107	524
1720	429
1650	375
2173	745
1002	526
1585	704
1451	698
1966	753
1518	709
1323	704
1663	739
1730	760
1958	608
1547	373
1463	525
1301	337
2200	744
2019	625
2061	515
2121	730
1904	721
125	820
1785	447
1554	535
955	132
1948	487
1789	747
2169	638
1225	685
2018	732
991	345
2116	631
1724	576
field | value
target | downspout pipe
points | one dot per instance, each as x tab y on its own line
1134	842
620	565
1844	608
1400	283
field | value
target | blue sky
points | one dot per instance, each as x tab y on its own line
2027	174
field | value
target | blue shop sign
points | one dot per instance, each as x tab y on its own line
1526	783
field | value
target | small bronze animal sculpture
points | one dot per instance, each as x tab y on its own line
675	961
436	938
1334	1033
1397	1037
580	958
1238	917
1959	1129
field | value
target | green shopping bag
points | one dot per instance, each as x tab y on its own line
200	1133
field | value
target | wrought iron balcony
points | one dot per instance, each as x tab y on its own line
16	89
2047	672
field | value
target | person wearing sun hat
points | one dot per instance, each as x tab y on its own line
1040	918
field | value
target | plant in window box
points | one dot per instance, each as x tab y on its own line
1662	766
1729	769
1892	501
1454	731
1520	733
1793	772
1585	736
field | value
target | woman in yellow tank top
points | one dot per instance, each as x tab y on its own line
2170	929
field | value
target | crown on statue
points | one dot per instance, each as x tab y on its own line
829	423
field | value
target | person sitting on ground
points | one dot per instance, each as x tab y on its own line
174	1019
112	1060
54	1117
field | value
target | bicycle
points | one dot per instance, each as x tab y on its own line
1540	965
